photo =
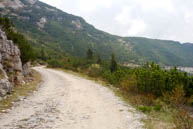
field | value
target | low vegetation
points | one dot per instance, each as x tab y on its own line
162	94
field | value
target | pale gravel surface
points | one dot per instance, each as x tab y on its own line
66	101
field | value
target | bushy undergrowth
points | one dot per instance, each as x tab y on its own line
150	88
148	80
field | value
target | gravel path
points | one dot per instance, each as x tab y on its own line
66	101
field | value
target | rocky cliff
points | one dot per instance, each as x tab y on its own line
11	71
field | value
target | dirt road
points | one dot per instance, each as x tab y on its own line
66	101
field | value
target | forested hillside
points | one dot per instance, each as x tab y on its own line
59	33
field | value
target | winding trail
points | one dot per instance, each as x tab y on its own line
66	101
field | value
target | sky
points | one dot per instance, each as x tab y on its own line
157	19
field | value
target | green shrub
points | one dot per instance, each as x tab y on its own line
55	63
157	107
145	109
94	71
154	80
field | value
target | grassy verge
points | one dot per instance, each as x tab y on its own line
159	115
155	118
20	90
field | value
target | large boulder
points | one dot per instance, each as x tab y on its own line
5	85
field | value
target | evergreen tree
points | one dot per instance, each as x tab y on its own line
43	54
89	54
99	61
113	66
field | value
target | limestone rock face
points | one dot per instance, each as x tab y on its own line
15	4
26	69
11	71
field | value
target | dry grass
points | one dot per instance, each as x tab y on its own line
20	90
154	119
168	117
157	124
183	120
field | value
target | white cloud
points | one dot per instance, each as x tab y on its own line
125	16
134	24
137	27
92	5
156	4
56	3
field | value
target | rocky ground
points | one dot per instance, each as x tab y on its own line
65	101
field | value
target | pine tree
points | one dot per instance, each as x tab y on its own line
43	54
89	54
113	66
99	61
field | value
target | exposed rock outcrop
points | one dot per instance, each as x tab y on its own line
42	22
15	4
11	71
77	24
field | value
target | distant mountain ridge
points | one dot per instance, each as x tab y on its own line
59	32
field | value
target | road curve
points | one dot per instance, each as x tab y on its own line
66	101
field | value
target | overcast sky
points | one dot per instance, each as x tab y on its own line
160	19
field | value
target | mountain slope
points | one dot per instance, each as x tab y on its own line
60	32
